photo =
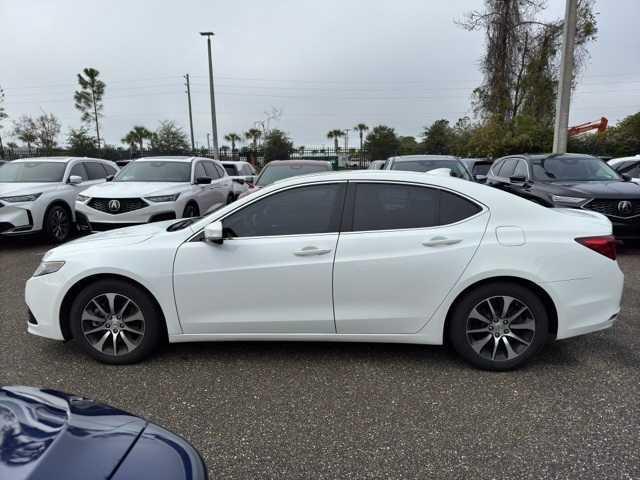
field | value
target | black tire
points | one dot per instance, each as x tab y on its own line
191	210
57	224
153	328
488	356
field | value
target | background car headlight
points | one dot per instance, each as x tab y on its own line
163	198
568	201
82	198
45	268
21	198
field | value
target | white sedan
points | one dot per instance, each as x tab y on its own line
352	256
153	189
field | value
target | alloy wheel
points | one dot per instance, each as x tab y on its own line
113	324
59	224
500	328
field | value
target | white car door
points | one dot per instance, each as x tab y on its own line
204	194
401	250
273	272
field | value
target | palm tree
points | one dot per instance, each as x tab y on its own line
335	135
254	135
136	136
361	128
233	138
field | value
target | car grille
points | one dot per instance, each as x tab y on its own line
115	206
618	208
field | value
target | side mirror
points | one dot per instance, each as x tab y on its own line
239	181
626	178
203	181
110	178
213	232
517	179
480	178
75	179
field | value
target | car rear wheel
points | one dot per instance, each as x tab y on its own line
57	224
499	326
190	211
116	322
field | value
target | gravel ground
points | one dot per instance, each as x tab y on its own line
287	410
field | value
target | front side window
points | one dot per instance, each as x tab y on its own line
297	211
212	171
95	170
78	170
32	172
155	171
572	169
380	206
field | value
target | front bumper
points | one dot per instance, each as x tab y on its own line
15	220
90	219
43	297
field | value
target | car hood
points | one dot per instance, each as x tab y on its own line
11	189
610	189
50	434
134	189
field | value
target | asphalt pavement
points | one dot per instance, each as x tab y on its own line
329	411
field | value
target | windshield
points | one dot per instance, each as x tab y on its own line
273	173
572	169
232	170
32	172
155	172
457	169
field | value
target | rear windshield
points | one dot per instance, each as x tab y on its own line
155	172
456	167
572	169
232	170
32	172
273	173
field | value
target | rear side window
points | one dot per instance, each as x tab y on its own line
379	206
232	170
298	211
95	170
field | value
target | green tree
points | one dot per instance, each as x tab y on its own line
24	129
3	117
277	146
335	135
361	128
253	135
47	129
81	142
233	138
88	99
408	146
438	138
136	137
382	143
170	138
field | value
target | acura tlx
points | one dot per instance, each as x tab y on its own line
361	256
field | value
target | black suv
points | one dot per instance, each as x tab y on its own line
572	181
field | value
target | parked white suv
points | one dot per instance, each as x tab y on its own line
242	174
39	194
153	189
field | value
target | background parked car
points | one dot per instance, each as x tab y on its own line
39	194
479	168
49	434
242	175
425	163
627	166
376	164
153	189
281	169
572	181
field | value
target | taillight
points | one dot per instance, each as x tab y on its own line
604	245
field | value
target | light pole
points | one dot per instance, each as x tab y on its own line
214	126
561	125
208	143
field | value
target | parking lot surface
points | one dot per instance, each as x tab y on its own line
320	410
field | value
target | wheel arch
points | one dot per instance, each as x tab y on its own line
550	307
62	203
67	301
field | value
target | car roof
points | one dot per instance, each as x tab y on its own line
298	162
47	159
172	158
544	156
233	162
413	158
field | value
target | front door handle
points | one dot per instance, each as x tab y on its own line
311	251
441	242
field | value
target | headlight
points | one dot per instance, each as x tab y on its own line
163	198
568	201
82	198
21	198
45	268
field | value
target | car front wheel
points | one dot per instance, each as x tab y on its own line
57	224
499	326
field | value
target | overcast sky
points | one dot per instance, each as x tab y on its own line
329	64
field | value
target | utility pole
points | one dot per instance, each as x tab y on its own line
193	143
214	126
561	126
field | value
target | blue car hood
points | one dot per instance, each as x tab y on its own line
47	434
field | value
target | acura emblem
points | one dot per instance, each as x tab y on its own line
625	207
114	205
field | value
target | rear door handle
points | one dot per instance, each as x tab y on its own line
441	242
311	251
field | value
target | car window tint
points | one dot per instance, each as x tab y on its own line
200	171
95	170
110	170
495	168
634	171
521	169
232	170
298	211
221	171
507	169
79	170
454	208
211	170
